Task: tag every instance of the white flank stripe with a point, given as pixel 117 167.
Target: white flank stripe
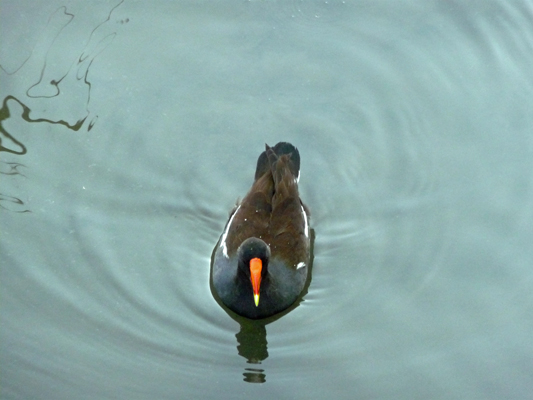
pixel 300 265
pixel 225 234
pixel 306 228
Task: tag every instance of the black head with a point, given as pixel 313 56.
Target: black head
pixel 253 248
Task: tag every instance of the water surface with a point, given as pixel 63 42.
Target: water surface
pixel 128 131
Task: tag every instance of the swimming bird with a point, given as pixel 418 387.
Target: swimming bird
pixel 262 258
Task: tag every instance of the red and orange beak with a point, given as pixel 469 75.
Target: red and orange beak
pixel 256 266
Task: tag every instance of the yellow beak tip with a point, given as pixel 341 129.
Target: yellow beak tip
pixel 256 299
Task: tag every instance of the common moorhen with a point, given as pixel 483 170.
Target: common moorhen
pixel 261 260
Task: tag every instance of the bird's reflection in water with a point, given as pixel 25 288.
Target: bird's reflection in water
pixel 252 342
pixel 252 345
pixel 252 337
pixel 254 375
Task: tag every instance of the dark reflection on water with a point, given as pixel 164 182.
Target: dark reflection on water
pixel 5 114
pixel 11 203
pixel 252 341
pixel 253 345
pixel 66 78
pixel 65 81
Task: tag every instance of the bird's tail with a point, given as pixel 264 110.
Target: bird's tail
pixel 269 158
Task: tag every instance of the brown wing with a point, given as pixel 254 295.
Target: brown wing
pixel 287 222
pixel 272 210
pixel 252 217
